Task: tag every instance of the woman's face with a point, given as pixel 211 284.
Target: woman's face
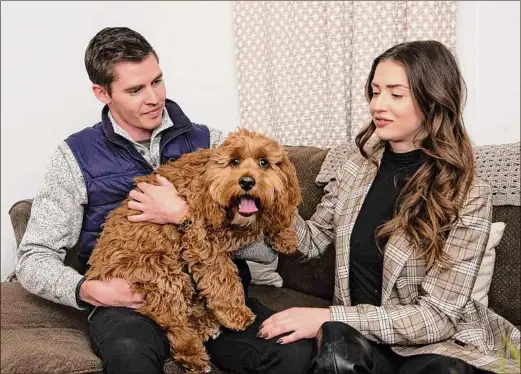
pixel 392 107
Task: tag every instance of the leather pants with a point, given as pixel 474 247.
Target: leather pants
pixel 341 349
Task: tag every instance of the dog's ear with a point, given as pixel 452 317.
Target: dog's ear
pixel 291 197
pixel 207 208
pixel 213 212
pixel 292 183
pixel 196 188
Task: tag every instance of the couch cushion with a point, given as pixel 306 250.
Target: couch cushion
pixel 278 299
pixel 486 269
pixel 47 350
pixel 315 277
pixel 39 336
pixel 504 296
pixel 21 309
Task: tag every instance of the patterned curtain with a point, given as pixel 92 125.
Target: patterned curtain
pixel 302 65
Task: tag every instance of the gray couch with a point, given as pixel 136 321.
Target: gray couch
pixel 38 336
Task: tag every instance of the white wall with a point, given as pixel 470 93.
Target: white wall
pixel 46 96
pixel 46 92
pixel 488 50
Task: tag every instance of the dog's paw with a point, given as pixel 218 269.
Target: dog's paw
pixel 216 334
pixel 237 319
pixel 286 249
pixel 206 369
pixel 191 354
pixel 284 241
pixel 195 363
pixel 210 333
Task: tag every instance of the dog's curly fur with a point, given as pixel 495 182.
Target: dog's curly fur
pixel 190 280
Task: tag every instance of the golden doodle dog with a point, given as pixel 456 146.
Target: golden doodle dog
pixel 237 192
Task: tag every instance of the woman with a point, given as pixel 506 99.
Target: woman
pixel 410 224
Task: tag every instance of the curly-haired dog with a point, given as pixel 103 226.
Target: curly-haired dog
pixel 236 192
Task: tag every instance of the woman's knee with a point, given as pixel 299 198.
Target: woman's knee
pixel 445 364
pixel 341 349
pixel 425 364
pixel 292 358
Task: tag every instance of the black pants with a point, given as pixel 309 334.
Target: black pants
pixel 128 342
pixel 386 361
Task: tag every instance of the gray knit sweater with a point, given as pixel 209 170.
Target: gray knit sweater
pixel 57 215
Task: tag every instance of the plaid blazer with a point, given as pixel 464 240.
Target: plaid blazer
pixel 421 312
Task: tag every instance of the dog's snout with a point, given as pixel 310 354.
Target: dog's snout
pixel 246 183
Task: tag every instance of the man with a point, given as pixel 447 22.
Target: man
pixel 89 175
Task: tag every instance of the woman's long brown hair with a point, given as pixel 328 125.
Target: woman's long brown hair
pixel 429 204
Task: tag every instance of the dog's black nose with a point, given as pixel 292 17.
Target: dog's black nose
pixel 246 183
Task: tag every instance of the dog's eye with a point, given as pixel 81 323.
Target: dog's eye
pixel 263 163
pixel 236 161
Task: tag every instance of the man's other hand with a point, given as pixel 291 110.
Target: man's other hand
pixel 159 204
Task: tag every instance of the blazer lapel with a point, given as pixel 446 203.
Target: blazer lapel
pixel 396 253
pixel 397 250
pixel 352 204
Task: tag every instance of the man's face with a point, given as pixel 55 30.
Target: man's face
pixel 138 97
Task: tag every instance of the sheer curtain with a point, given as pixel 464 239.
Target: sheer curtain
pixel 302 65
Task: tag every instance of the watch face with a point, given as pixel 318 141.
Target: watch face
pixel 185 224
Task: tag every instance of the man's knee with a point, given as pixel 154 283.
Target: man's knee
pixel 130 355
pixel 128 342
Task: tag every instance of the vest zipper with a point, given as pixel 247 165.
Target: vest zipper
pixel 182 131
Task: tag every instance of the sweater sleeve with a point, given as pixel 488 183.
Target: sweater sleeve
pixel 53 228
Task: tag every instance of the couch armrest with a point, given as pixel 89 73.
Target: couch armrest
pixel 19 213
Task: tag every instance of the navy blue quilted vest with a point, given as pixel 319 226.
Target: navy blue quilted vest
pixel 110 163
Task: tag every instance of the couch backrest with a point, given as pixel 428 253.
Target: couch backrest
pixel 504 296
pixel 317 276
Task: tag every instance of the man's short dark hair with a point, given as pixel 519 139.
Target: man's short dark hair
pixel 110 46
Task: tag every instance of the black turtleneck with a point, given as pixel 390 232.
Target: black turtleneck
pixel 366 257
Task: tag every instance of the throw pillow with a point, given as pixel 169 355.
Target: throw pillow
pixel 486 270
pixel 265 274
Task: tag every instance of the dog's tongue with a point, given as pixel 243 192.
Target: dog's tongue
pixel 247 205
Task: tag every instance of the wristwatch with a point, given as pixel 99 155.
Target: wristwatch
pixel 184 224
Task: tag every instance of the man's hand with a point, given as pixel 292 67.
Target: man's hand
pixel 160 204
pixel 302 323
pixel 115 292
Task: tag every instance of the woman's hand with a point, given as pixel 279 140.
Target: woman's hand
pixel 301 322
pixel 159 204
